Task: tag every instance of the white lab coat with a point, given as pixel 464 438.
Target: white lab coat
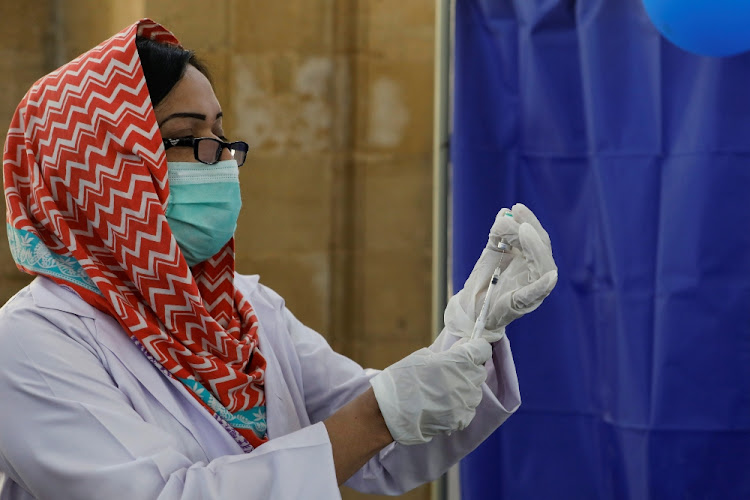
pixel 83 414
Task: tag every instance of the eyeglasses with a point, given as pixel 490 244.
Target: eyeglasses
pixel 208 150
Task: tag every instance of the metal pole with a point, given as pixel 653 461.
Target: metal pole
pixel 440 158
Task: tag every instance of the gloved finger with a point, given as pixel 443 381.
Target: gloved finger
pixel 482 271
pixel 504 228
pixel 528 298
pixel 476 374
pixel 459 342
pixel 465 420
pixel 515 275
pixel 537 254
pixel 504 223
pixel 495 334
pixel 474 397
pixel 456 319
pixel 478 350
pixel 522 213
pixel 486 263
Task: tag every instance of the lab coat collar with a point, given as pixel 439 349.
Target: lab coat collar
pixel 249 282
pixel 49 295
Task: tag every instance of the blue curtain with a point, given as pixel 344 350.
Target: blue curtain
pixel 635 155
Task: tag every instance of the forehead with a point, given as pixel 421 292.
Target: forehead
pixel 192 93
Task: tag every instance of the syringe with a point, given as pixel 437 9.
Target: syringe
pixel 481 321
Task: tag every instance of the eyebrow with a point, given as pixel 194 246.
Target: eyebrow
pixel 197 116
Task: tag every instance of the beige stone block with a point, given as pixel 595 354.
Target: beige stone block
pixel 396 13
pixel 126 12
pixel 25 25
pixel 392 290
pixel 302 279
pixel 347 25
pixel 394 110
pixel 395 203
pixel 20 69
pixel 420 493
pixel 84 24
pixel 199 25
pixel 289 103
pixel 286 205
pixel 300 26
pixel 12 282
pixel 11 278
pixel 397 30
pixel 379 354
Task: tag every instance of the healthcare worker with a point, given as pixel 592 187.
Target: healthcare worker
pixel 138 364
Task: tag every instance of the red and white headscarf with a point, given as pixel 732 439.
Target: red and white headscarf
pixel 85 177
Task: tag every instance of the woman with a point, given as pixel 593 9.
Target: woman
pixel 139 365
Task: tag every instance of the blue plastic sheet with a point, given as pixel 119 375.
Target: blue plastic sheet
pixel 635 155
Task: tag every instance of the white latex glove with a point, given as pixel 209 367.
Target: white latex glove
pixel 428 393
pixel 528 275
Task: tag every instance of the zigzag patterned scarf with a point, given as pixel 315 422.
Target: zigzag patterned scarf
pixel 85 177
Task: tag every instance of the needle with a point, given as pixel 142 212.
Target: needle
pixel 479 325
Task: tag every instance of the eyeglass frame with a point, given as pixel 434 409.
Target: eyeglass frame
pixel 195 142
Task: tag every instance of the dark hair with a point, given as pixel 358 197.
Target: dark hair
pixel 163 66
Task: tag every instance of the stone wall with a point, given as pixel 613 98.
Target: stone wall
pixel 335 99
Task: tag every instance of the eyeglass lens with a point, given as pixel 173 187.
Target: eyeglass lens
pixel 209 152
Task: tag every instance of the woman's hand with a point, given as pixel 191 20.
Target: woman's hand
pixel 528 275
pixel 429 393
pixel 424 394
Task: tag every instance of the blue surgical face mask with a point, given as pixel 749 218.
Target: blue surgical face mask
pixel 203 206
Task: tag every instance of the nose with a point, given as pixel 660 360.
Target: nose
pixel 226 154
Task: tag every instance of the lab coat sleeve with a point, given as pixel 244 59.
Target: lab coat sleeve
pixel 331 380
pixel 67 432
